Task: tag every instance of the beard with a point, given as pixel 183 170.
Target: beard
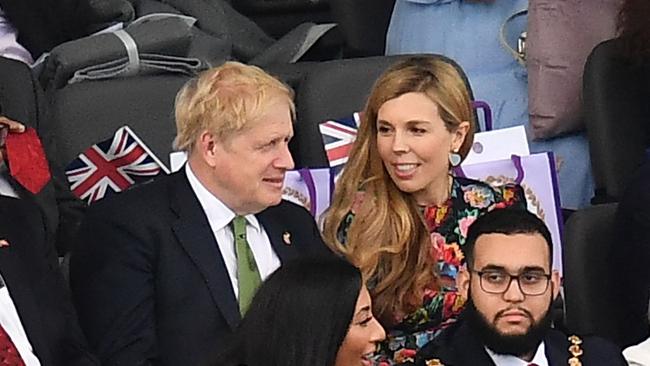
pixel 508 344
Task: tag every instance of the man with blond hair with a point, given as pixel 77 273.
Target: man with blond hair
pixel 162 274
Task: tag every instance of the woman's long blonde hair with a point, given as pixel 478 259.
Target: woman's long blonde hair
pixel 388 239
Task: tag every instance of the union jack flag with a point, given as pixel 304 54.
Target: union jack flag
pixel 112 166
pixel 338 138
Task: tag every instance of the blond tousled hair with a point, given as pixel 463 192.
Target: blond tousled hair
pixel 388 239
pixel 223 100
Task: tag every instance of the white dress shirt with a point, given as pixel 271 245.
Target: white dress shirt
pixel 9 46
pixel 219 216
pixel 5 187
pixel 10 321
pixel 508 360
pixel 638 355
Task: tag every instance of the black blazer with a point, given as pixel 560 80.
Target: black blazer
pixel 30 270
pixel 148 278
pixel 60 209
pixel 457 346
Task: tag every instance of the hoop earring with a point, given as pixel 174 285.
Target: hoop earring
pixel 454 159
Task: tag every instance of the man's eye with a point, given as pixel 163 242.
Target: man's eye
pixel 494 277
pixel 531 277
pixel 270 144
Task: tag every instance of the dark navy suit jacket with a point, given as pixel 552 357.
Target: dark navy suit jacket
pixel 148 278
pixel 458 346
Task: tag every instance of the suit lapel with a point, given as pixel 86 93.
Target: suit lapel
pixel 556 348
pixel 44 200
pixel 194 234
pixel 279 235
pixel 469 349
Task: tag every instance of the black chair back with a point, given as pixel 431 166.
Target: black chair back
pixel 616 110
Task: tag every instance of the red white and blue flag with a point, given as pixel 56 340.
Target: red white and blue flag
pixel 112 166
pixel 338 139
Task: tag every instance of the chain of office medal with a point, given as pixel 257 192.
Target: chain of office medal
pixel 574 349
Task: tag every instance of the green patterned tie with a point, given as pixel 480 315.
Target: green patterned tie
pixel 248 276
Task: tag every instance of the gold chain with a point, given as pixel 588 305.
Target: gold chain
pixel 575 350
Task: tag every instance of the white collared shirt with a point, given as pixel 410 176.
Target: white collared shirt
pixel 638 355
pixel 11 323
pixel 5 187
pixel 508 360
pixel 219 216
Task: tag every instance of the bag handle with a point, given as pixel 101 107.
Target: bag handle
pixel 520 53
pixel 487 112
pixel 516 161
pixel 305 174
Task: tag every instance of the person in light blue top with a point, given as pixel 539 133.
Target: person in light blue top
pixel 468 32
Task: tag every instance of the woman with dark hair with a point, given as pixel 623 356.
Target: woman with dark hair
pixel 314 312
pixel 398 212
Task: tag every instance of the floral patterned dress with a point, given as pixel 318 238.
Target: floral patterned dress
pixel 448 226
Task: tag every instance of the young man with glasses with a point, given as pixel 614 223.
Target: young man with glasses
pixel 509 286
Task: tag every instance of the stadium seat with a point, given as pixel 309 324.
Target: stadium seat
pixel 589 277
pixel 616 116
pixel 91 111
pixel 20 93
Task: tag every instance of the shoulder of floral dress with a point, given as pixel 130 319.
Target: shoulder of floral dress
pixel 474 193
pixel 467 182
pixel 438 352
pixel 346 222
pixel 510 195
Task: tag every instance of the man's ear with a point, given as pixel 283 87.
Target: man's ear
pixel 463 281
pixel 555 280
pixel 208 147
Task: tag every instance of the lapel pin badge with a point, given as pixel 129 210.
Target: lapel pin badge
pixel 286 238
pixel 3 243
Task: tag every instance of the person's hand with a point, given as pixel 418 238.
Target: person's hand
pixel 8 126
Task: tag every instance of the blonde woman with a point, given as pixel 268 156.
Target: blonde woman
pixel 398 213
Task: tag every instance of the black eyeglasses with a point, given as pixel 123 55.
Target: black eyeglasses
pixel 531 283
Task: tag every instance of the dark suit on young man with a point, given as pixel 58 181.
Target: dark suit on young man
pixel 459 346
pixel 30 271
pixel 148 278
